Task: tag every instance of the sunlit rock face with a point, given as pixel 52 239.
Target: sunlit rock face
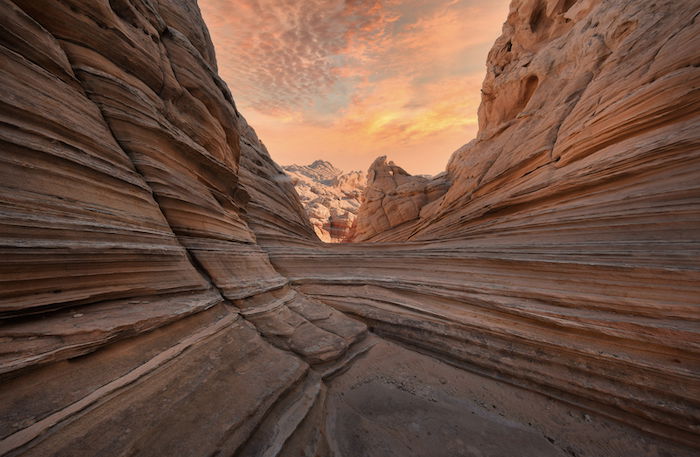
pixel 577 95
pixel 394 197
pixel 164 293
pixel 330 197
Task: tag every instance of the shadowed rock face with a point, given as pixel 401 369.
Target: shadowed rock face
pixel 163 293
pixel 127 176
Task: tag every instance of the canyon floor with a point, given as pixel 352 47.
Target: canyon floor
pixel 394 401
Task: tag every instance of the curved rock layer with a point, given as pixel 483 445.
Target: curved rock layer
pixel 124 197
pixel 564 255
pixel 162 292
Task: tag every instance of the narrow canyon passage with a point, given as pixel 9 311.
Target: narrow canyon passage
pixel 162 291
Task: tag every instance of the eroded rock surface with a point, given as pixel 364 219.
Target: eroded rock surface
pixel 330 197
pixel 163 292
pixel 394 197
pixel 126 181
pixel 564 253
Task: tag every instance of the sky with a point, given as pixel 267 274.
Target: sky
pixel 350 80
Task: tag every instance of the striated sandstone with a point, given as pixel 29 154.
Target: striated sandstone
pixel 164 293
pixel 123 220
pixel 564 254
pixel 394 197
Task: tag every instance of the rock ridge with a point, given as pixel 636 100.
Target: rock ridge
pixel 330 197
pixel 394 197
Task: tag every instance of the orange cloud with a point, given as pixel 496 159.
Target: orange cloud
pixel 398 110
pixel 346 80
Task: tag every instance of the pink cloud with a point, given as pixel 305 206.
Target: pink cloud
pixel 277 55
pixel 375 74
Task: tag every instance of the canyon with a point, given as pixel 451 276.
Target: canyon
pixel 162 291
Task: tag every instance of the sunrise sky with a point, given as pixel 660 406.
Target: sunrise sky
pixel 349 80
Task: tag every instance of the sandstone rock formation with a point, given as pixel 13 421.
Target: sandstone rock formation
pixel 330 197
pixel 163 293
pixel 394 197
pixel 124 198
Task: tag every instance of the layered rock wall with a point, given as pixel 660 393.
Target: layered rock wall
pixel 127 175
pixel 163 293
pixel 582 101
pixel 564 254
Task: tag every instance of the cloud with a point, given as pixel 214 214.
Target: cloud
pixel 398 110
pixel 278 55
pixel 376 73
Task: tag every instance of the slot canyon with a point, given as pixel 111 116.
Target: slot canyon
pixel 163 292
